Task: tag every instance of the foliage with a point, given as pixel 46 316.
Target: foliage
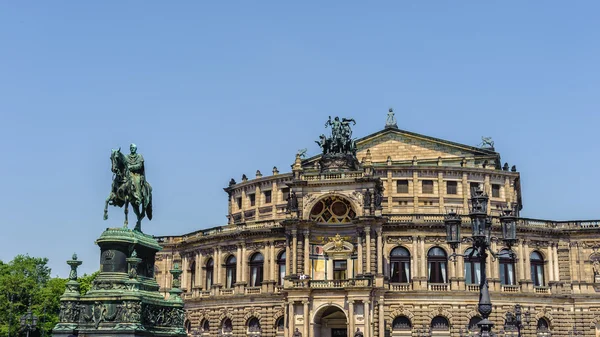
pixel 85 282
pixel 26 280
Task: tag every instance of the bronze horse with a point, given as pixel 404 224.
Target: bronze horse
pixel 122 191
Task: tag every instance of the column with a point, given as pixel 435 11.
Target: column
pixel 368 238
pixel 288 256
pixel 526 257
pixel 294 251
pixel 493 269
pixel 556 269
pixel 351 317
pixel 550 263
pixel 184 267
pixel 359 253
pixel 219 266
pixel 461 262
pixel 381 319
pixel 488 191
pixel 291 319
pixel 414 251
pixel 367 315
pixel 521 261
pixel 243 264
pixel 199 261
pixel 305 304
pixel 306 252
pixel 415 191
pixel 441 192
pixel 379 252
pixel 465 191
pixel 273 263
pixel 238 259
pixel 507 194
pixel 423 259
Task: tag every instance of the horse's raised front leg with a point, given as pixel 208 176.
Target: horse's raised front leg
pixel 126 212
pixel 106 206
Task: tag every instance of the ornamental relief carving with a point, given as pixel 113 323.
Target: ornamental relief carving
pixel 399 239
pixel 435 239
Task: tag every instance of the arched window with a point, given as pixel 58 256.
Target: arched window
pixel 537 269
pixel 254 325
pixel 472 267
pixel 332 210
pixel 399 265
pixel 543 326
pixel 256 269
pixel 281 267
pixel 507 268
pixel 473 323
pixel 226 327
pixel 440 323
pixel 210 267
pixel 192 275
pixel 230 271
pixel 205 326
pixel 436 265
pixel 280 324
pixel 401 323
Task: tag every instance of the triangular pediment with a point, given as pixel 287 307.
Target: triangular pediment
pixel 400 146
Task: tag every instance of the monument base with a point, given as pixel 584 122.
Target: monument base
pixel 124 298
pixel 338 162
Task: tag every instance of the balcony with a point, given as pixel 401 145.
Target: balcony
pixel 510 288
pixel 473 288
pixel 438 286
pixel 402 287
pixel 226 292
pixel 542 290
pixel 332 284
pixel 253 290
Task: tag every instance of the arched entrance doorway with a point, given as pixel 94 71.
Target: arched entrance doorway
pixel 330 321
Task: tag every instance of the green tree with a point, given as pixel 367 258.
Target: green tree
pixel 85 282
pixel 21 283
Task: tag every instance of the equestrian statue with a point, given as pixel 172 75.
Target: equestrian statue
pixel 129 186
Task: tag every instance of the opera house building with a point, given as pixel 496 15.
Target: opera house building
pixel 354 242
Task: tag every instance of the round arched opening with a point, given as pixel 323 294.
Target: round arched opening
pixel 331 321
pixel 333 209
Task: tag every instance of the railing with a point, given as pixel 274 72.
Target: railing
pixel 473 287
pixel 330 284
pixel 400 286
pixel 252 290
pixel 204 293
pixel 331 176
pixel 542 290
pixel 438 286
pixel 228 291
pixel 510 288
pixel 393 218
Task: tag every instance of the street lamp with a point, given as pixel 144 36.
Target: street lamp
pixel 29 321
pixel 481 239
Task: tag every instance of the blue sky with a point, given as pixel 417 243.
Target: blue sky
pixel 212 90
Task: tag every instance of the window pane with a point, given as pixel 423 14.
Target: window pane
pixel 451 187
pixel 402 186
pixel 496 191
pixel 427 186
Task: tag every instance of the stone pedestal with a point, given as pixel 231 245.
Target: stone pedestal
pixel 124 298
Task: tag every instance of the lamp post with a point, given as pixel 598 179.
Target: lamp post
pixel 481 239
pixel 29 321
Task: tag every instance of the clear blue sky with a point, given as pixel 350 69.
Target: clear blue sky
pixel 209 92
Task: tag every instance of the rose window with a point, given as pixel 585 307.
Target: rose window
pixel 332 210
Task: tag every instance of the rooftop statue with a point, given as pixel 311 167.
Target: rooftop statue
pixel 486 143
pixel 129 186
pixel 391 120
pixel 341 141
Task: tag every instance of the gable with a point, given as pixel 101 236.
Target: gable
pixel 403 146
